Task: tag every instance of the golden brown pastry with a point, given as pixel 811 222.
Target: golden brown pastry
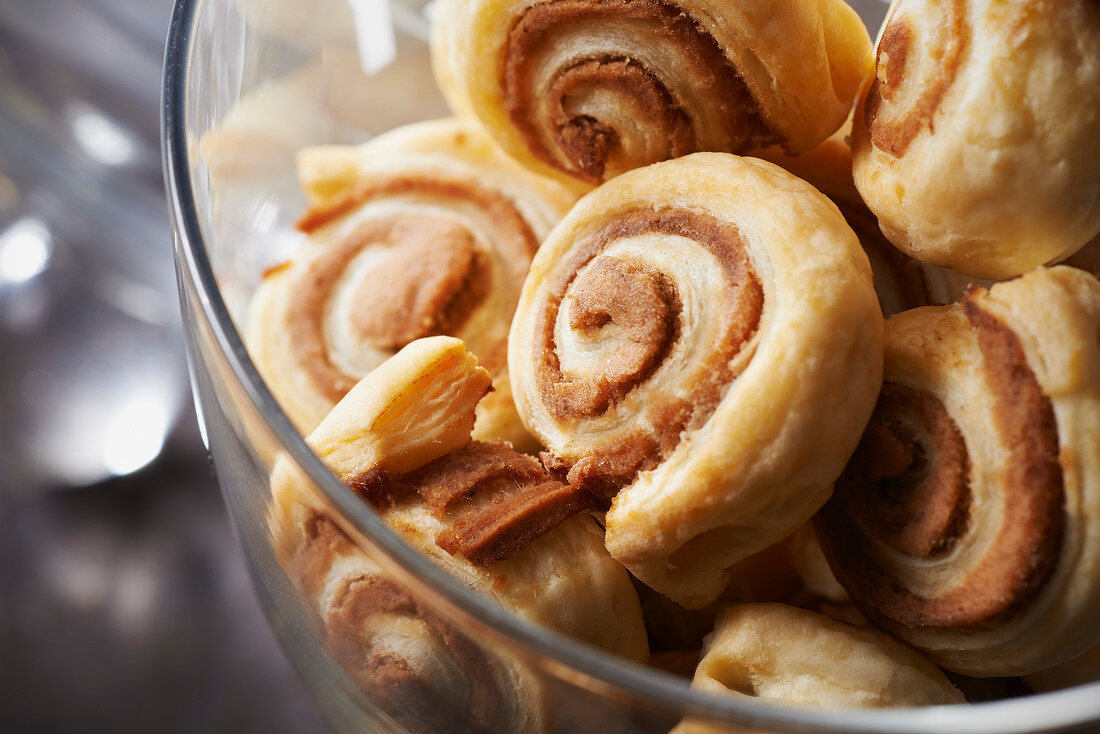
pixel 699 341
pixel 426 230
pixel 777 652
pixel 492 518
pixel 977 143
pixel 968 521
pixel 588 89
pixel 901 282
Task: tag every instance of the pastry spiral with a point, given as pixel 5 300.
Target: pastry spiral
pixel 426 230
pixel 976 145
pixel 778 652
pixel 968 521
pixel 699 342
pixel 489 516
pixel 588 89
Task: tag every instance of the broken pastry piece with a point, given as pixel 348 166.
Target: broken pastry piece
pixel 427 230
pixel 587 89
pixel 976 145
pixel 699 342
pixel 967 523
pixel 777 652
pixel 492 518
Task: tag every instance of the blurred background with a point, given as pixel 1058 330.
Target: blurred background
pixel 124 603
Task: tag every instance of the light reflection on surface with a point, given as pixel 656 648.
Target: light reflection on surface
pixel 134 434
pixel 25 249
pixel 135 299
pixel 100 137
pixel 374 33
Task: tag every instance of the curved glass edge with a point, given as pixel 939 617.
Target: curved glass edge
pixel 562 657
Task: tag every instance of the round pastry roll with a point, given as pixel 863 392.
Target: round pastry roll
pixel 976 145
pixel 587 89
pixel 491 517
pixel 699 342
pixel 968 521
pixel 777 652
pixel 901 282
pixel 426 230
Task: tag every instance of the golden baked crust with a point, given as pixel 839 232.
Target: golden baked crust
pixel 968 521
pixel 426 230
pixel 586 89
pixel 699 341
pixel 976 144
pixel 385 437
pixel 777 652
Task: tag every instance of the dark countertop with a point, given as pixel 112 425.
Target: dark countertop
pixel 126 607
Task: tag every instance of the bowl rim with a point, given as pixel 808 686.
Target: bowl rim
pixel 556 654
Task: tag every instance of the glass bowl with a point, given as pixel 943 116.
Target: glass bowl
pixel 246 85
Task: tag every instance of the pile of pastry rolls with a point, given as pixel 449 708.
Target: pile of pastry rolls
pixel 618 327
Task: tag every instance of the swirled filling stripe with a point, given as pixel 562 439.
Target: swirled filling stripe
pixel 913 75
pixel 431 276
pixel 362 623
pixel 494 501
pixel 907 487
pixel 637 308
pixel 586 106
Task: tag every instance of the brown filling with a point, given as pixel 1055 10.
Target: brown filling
pixel 640 309
pixel 911 474
pixel 894 135
pixel 428 285
pixel 418 705
pixel 906 485
pixel 494 500
pixel 642 305
pixel 431 280
pixel 589 144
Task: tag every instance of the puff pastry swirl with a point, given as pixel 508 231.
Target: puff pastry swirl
pixel 976 145
pixel 401 438
pixel 426 230
pixel 778 652
pixel 699 342
pixel 587 89
pixel 968 521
